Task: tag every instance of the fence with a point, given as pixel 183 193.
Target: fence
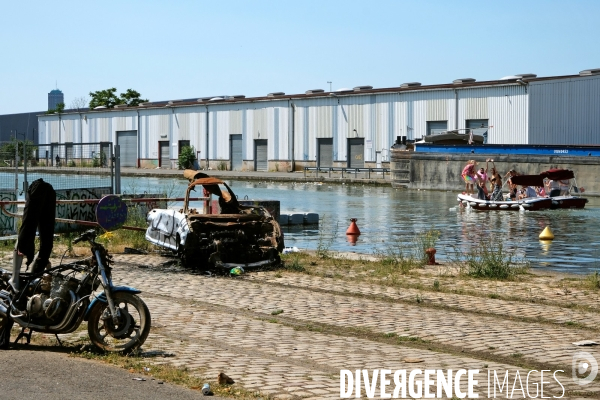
pixel 64 165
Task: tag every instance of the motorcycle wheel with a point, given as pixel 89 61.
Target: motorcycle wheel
pixel 129 333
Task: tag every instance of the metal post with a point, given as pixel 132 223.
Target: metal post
pixel 117 169
pixel 25 183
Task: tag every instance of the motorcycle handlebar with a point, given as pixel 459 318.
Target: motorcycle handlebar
pixel 87 235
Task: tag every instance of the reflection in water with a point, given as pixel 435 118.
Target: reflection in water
pixel 390 217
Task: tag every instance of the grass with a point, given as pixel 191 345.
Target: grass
pixel 592 281
pixel 168 373
pixel 489 258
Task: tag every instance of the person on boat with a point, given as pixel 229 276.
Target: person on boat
pixel 540 191
pixel 482 176
pixel 511 186
pixel 527 191
pixel 552 188
pixel 564 185
pixel 497 193
pixel 469 175
pixel 494 174
pixel 481 190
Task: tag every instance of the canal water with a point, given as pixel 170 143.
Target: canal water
pixel 390 218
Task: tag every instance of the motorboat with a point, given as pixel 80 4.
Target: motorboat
pixel 530 204
pixel 572 199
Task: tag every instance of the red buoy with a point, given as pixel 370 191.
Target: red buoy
pixel 353 229
pixel 430 256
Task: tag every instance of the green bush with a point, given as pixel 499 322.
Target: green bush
pixel 186 158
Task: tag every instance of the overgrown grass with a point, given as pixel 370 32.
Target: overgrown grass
pixel 403 257
pixel 168 373
pixel 490 258
pixel 592 281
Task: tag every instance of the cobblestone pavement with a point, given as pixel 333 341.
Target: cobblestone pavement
pixel 288 335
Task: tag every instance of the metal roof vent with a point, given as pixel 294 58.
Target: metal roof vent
pixel 145 104
pixel 526 76
pixel 121 106
pixel 171 102
pixel 238 96
pixel 276 94
pixel 342 90
pixel 217 99
pixel 410 84
pixel 588 72
pixel 313 91
pixel 100 108
pixel 463 80
pixel 360 88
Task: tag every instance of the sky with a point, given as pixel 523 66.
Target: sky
pixel 169 50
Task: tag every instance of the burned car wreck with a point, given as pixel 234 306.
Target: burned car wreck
pixel 240 236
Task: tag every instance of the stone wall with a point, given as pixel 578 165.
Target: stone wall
pixel 435 171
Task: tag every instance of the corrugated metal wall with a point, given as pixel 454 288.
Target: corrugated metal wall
pixel 565 111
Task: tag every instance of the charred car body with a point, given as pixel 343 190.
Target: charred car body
pixel 245 236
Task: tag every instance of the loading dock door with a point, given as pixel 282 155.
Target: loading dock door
pixel 356 151
pixel 325 149
pixel 260 155
pixel 128 142
pixel 235 149
pixel 164 158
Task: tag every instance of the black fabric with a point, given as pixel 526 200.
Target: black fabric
pixel 39 214
pixel 555 192
pixel 480 193
pixel 5 327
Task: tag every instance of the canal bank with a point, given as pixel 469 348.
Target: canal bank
pixel 442 171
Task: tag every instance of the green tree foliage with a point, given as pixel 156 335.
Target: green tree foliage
pixel 132 98
pixel 187 157
pixel 60 107
pixel 7 149
pixel 108 98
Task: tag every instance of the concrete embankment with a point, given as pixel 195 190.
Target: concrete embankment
pixel 435 171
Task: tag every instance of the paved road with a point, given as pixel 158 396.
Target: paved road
pixel 45 374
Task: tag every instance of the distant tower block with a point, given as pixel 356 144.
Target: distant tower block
pixel 54 97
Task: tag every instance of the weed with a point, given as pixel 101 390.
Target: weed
pixel 436 285
pixel 293 264
pixel 494 296
pixel 276 312
pixel 419 299
pixel 489 258
pixel 389 335
pixel 516 355
pixel 326 239
pixel 273 320
pixel 593 280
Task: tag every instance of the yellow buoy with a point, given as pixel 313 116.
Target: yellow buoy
pixel 546 234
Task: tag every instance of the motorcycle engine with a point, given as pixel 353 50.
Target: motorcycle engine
pixel 53 298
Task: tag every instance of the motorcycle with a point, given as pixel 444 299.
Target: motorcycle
pixel 59 299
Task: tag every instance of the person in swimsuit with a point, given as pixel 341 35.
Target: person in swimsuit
pixel 469 176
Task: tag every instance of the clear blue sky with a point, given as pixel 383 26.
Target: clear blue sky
pixel 185 49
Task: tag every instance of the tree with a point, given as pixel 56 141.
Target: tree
pixel 108 98
pixel 132 98
pixel 187 157
pixel 79 103
pixel 60 107
pixel 7 149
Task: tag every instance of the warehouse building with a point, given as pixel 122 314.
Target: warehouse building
pixel 345 128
